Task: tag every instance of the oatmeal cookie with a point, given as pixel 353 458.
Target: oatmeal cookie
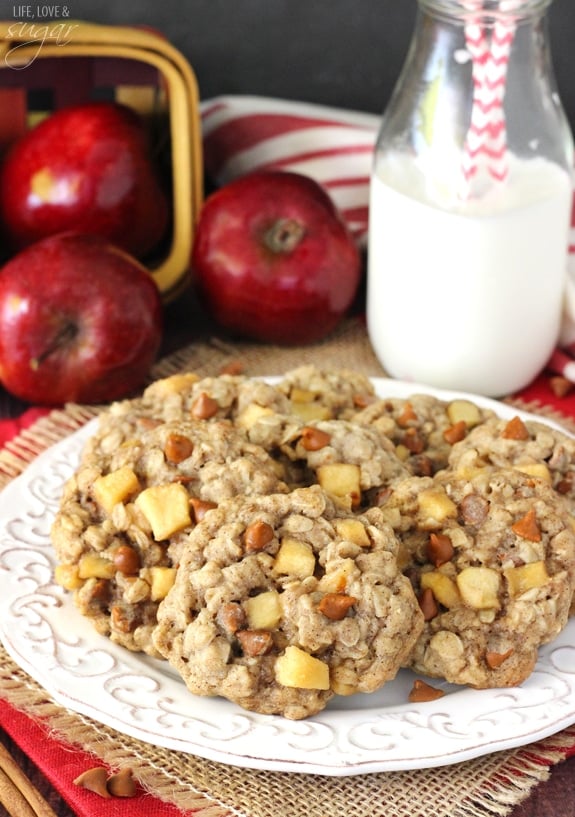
pixel 528 445
pixel 243 401
pixel 492 563
pixel 281 602
pixel 422 427
pixel 123 517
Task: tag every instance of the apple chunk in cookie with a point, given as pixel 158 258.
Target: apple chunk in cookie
pixel 283 601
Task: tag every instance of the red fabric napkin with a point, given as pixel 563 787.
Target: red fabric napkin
pixel 61 767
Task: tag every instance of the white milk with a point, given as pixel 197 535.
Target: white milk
pixel 470 297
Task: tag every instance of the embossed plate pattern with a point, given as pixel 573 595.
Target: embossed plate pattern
pixel 141 697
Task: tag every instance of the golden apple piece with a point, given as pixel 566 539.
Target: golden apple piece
pixel 342 480
pixel 251 415
pixel 526 577
pixel 479 587
pixel 466 411
pixel 68 576
pixel 435 507
pixel 174 384
pixel 296 668
pixel 115 487
pixel 402 452
pixel 294 558
pixel 535 469
pixel 166 507
pixel 264 611
pixel 161 580
pixel 299 395
pixel 343 680
pixel 443 587
pixel 469 472
pixel 352 530
pixel 94 566
pixel 335 581
pixel 311 411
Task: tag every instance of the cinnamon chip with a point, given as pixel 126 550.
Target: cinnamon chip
pixel 439 549
pixel 455 433
pixel 94 780
pixel 314 439
pixel 428 604
pixel 204 407
pixel 407 416
pixel 495 659
pixel 122 784
pixel 560 386
pixel 515 430
pixel 336 605
pixel 527 527
pixel 257 535
pixel 234 367
pixel 422 692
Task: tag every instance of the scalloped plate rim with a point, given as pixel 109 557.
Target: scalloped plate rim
pixel 377 737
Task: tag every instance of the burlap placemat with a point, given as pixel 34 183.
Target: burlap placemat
pixel 490 785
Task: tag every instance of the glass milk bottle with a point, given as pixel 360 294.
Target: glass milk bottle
pixel 470 201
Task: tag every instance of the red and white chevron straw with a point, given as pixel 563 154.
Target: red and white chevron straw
pixel 485 149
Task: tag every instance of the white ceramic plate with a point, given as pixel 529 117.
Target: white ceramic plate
pixel 141 697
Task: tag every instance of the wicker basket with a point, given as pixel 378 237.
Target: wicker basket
pixel 49 66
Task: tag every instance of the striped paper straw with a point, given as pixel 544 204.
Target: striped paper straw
pixel 477 45
pixel 485 147
pixel 502 41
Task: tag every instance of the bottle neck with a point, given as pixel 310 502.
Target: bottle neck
pixel 486 12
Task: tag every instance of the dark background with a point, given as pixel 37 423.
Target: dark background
pixel 345 53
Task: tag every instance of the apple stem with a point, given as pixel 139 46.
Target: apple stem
pixel 64 336
pixel 284 235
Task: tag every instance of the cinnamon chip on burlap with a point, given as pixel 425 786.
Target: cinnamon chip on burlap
pixel 486 786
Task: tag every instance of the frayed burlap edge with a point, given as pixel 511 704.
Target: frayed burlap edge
pixel 489 786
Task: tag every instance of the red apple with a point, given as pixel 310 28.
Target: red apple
pixel 273 259
pixel 80 320
pixel 85 168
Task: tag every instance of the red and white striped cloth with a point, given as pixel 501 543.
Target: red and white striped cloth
pixel 333 146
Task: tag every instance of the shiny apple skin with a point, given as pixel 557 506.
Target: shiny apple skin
pixel 80 321
pixel 291 295
pixel 84 168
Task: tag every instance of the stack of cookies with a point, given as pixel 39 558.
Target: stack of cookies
pixel 281 543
